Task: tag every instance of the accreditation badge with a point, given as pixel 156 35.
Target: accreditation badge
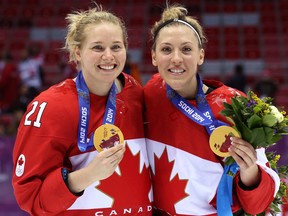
pixel 107 136
pixel 220 140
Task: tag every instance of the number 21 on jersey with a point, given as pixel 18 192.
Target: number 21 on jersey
pixel 39 112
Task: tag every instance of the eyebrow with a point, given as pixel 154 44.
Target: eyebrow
pixel 184 43
pixel 187 43
pixel 100 42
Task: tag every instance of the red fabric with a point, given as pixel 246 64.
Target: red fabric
pixel 9 85
pixel 52 144
pixel 184 167
pixel 247 198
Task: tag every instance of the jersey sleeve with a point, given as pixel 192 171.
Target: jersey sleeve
pixel 40 148
pixel 258 200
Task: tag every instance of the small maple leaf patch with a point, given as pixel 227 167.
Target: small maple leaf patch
pixel 20 165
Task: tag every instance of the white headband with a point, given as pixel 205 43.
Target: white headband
pixel 180 21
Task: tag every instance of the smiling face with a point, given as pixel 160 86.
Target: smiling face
pixel 102 54
pixel 177 56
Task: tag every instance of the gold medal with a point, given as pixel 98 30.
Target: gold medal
pixel 107 136
pixel 220 140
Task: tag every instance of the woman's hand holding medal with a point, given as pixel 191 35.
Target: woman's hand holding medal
pixel 101 167
pixel 105 163
pixel 225 141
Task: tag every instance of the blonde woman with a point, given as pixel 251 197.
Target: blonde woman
pixel 80 147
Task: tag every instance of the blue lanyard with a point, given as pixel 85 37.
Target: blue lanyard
pixel 204 116
pixel 84 108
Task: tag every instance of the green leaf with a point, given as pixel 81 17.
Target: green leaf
pixel 258 138
pixel 254 121
pixel 257 108
pixel 275 138
pixel 227 105
pixel 284 130
pixel 229 160
pixel 230 120
pixel 241 127
pixel 245 132
pixel 269 134
pixel 269 120
pixel 227 112
pixel 275 207
pixel 271 138
pixel 237 107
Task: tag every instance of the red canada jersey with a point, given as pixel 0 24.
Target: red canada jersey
pixel 185 171
pixel 47 141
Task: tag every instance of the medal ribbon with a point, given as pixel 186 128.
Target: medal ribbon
pixel 204 116
pixel 84 104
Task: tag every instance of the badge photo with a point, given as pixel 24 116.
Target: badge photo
pixel 220 140
pixel 107 136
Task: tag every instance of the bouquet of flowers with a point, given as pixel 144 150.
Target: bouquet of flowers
pixel 262 124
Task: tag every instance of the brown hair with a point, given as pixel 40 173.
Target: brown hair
pixel 177 11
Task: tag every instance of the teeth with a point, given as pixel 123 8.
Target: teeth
pixel 107 67
pixel 177 70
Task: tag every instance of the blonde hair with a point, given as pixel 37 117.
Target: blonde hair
pixel 177 12
pixel 79 20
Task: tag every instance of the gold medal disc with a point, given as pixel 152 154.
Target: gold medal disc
pixel 220 140
pixel 107 136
